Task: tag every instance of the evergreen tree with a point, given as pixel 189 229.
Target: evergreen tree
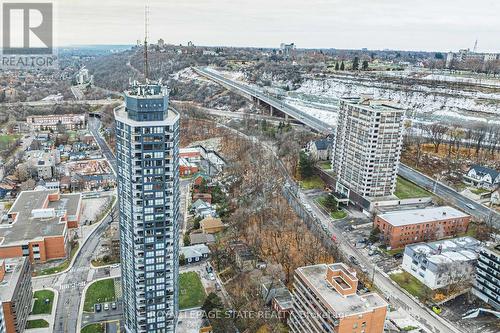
pixel 305 166
pixel 342 67
pixel 355 64
pixel 337 66
pixel 364 66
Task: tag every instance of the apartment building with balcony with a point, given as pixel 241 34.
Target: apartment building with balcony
pixel 147 152
pixel 487 283
pixel 15 294
pixel 403 227
pixel 37 225
pixel 325 299
pixel 367 147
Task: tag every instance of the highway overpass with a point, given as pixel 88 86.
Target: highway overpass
pixel 272 102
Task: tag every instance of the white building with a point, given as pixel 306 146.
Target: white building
pixel 195 253
pixel 487 283
pixel 441 263
pixel 483 177
pixel 367 147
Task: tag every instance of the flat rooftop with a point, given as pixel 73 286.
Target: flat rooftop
pixel 348 305
pixel 423 215
pixel 449 250
pixel 12 274
pixel 26 227
pixel 372 104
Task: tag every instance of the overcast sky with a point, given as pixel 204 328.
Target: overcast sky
pixel 440 25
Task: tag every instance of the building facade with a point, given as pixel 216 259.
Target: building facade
pixel 325 299
pixel 400 228
pixel 487 283
pixel 15 294
pixel 367 147
pixel 442 263
pixel 147 151
pixel 52 122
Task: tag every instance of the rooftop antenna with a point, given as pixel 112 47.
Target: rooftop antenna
pixel 146 23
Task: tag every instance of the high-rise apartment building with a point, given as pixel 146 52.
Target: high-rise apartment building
pixel 487 283
pixel 147 153
pixel 16 294
pixel 367 147
pixel 325 299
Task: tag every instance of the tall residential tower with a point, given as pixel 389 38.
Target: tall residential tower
pixel 147 150
pixel 367 147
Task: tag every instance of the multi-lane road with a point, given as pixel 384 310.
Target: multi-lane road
pixel 477 210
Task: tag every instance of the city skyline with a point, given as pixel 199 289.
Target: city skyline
pixel 321 24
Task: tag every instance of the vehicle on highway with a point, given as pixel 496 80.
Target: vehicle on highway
pixel 113 305
pixel 470 206
pixel 106 306
pixel 97 307
pixel 353 260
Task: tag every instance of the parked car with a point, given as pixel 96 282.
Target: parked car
pixel 398 255
pixel 211 276
pixel 113 305
pixel 97 307
pixel 209 268
pixel 217 286
pixel 353 260
pixel 106 306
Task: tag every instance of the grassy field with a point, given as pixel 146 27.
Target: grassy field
pixel 59 268
pixel 312 183
pixel 409 283
pixel 191 291
pixel 325 165
pixel 407 190
pixel 40 307
pixel 37 323
pixel 93 328
pixel 6 139
pixel 98 292
pixel 339 214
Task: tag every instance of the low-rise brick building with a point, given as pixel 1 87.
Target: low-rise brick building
pixel 37 225
pixel 400 228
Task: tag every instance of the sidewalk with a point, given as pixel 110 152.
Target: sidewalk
pixel 50 318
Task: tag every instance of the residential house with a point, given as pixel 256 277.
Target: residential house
pixel 201 238
pixel 187 168
pixel 482 177
pixel 245 259
pixel 320 150
pixel 205 197
pixel 195 253
pixel 495 197
pixel 211 225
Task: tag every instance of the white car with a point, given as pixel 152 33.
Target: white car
pixel 211 276
pixel 470 206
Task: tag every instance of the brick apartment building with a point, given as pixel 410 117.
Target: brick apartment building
pixel 325 299
pixel 51 122
pixel 400 228
pixel 15 294
pixel 37 225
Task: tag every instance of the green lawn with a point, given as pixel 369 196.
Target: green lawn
pixel 409 283
pixel 93 328
pixel 37 323
pixel 98 292
pixel 339 214
pixel 407 190
pixel 6 139
pixel 325 165
pixel 479 191
pixel 313 182
pixel 61 267
pixel 391 252
pixel 40 307
pixel 191 291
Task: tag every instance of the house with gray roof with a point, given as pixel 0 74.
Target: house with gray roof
pixel 195 253
pixel 483 177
